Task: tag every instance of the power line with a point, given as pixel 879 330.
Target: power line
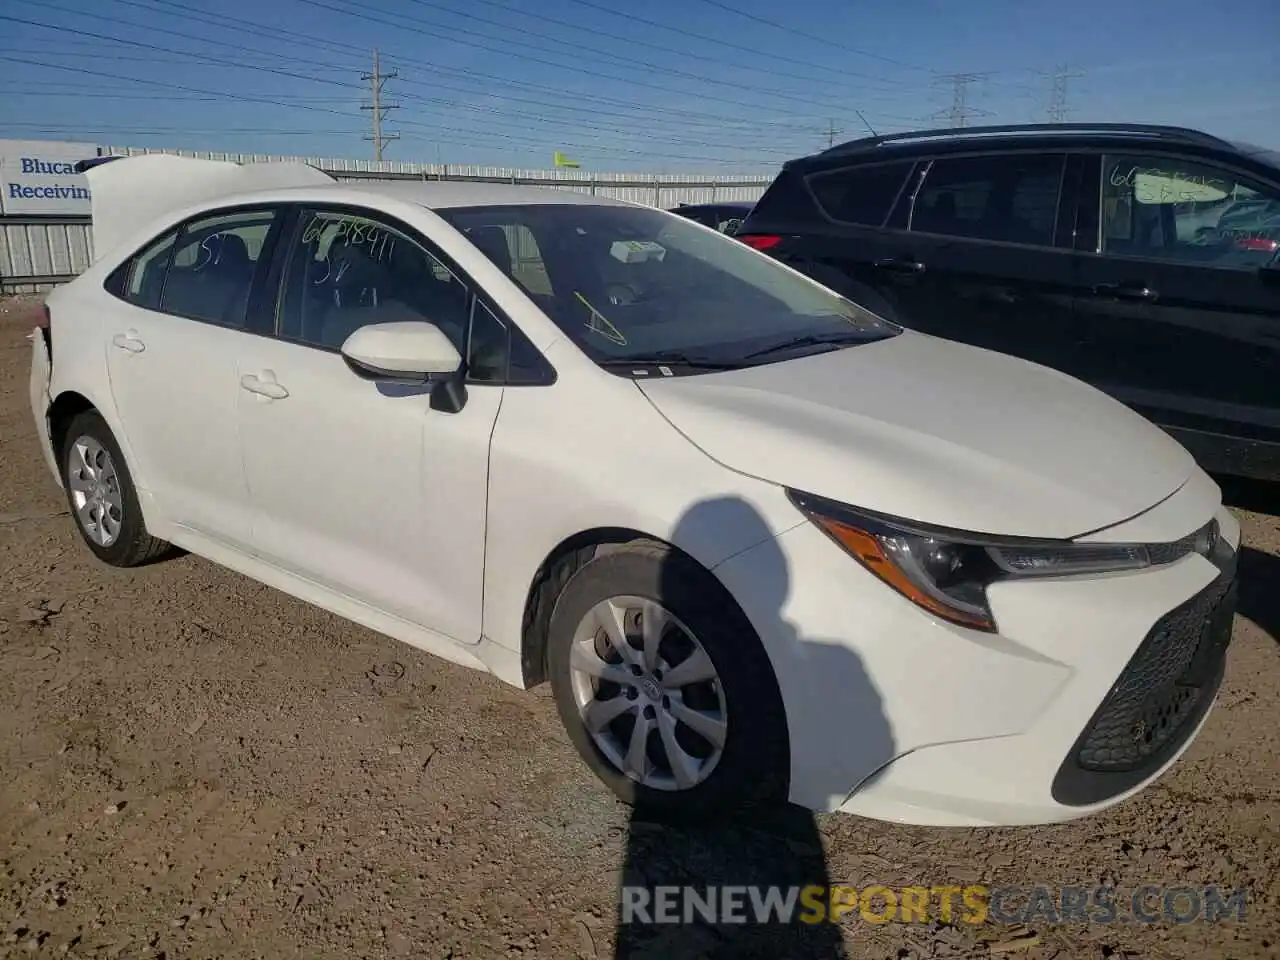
pixel 753 67
pixel 518 124
pixel 378 108
pixel 646 136
pixel 506 140
pixel 219 61
pixel 961 110
pixel 312 64
pixel 730 8
pixel 755 52
pixel 505 48
pixel 720 121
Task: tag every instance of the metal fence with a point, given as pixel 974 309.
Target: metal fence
pixel 37 253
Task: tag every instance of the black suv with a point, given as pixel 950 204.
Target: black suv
pixel 1142 259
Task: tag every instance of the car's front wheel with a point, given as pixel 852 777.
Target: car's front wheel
pixel 102 496
pixel 664 687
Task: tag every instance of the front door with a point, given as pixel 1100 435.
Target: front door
pixel 1180 301
pixel 360 485
pixel 173 334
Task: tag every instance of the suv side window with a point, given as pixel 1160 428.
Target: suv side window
pixel 1011 199
pixel 1186 212
pixel 862 195
pixel 213 265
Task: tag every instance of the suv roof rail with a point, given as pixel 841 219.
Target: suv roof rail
pixel 1184 134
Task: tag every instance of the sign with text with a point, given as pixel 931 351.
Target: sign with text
pixel 37 177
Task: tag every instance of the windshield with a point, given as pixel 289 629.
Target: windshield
pixel 639 284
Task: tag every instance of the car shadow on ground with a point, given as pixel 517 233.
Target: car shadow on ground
pixel 1260 590
pixel 1255 496
pixel 1259 570
pixel 777 846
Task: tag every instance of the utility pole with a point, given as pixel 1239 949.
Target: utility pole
pixel 378 108
pixel 1057 110
pixel 832 133
pixel 961 110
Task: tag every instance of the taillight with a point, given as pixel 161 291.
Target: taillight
pixel 759 241
pixel 1257 244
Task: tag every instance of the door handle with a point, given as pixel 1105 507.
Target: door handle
pixel 899 265
pixel 263 388
pixel 128 341
pixel 1126 291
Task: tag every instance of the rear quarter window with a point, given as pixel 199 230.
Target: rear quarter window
pixel 862 195
pixel 785 199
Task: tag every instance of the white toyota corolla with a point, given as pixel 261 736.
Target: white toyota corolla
pixel 761 542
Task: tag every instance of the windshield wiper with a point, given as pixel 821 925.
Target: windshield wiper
pixel 811 340
pixel 671 358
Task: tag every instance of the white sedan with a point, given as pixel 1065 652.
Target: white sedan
pixel 762 543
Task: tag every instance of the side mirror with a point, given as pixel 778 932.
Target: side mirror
pixel 401 350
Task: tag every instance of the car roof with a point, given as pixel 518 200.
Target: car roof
pixel 129 193
pixel 1012 137
pixel 445 194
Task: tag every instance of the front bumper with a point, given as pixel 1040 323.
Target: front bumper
pixel 895 715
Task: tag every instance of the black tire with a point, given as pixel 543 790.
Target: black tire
pixel 754 767
pixel 133 546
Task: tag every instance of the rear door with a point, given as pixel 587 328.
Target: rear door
pixel 975 252
pixel 1179 300
pixel 173 332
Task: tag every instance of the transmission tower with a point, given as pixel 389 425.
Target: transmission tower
pixel 377 107
pixel 831 133
pixel 961 110
pixel 1057 111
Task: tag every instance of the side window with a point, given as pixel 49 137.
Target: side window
pixel 213 266
pixel 1013 199
pixel 1186 212
pixel 346 271
pixel 146 273
pixel 498 354
pixel 862 195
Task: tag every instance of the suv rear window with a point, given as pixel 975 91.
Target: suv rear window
pixel 862 195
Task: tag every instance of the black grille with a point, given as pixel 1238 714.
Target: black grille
pixel 1157 692
pixel 1156 702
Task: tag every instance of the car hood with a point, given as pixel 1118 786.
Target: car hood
pixel 933 431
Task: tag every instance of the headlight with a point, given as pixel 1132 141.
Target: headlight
pixel 947 572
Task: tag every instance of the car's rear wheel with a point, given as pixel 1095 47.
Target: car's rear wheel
pixel 102 497
pixel 663 686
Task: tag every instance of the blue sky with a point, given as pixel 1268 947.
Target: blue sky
pixel 672 85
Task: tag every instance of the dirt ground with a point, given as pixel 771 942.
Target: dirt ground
pixel 194 765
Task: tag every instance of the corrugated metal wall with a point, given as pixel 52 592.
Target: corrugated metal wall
pixel 36 253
